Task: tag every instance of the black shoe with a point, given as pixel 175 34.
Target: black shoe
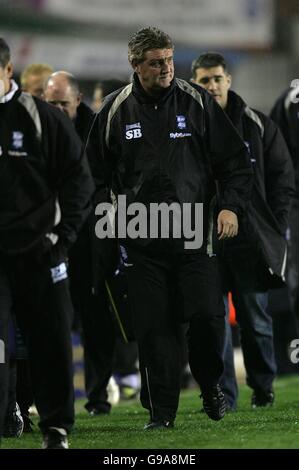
pixel 55 438
pixel 158 425
pixel 260 399
pixel 13 423
pixel 98 411
pixel 214 403
pixel 229 409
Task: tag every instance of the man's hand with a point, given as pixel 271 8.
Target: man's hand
pixel 227 224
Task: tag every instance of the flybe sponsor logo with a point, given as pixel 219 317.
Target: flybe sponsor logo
pixel 133 131
pixel 179 135
pixel 15 153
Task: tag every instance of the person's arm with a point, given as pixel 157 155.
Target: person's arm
pixel 279 174
pixel 100 157
pixel 105 252
pixel 73 181
pixel 278 114
pixel 231 167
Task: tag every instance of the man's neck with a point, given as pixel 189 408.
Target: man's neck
pixel 13 87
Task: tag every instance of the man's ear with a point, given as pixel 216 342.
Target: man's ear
pixel 229 80
pixel 79 98
pixel 134 65
pixel 8 70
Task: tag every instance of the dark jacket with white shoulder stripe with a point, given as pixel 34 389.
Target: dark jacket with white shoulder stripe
pixel 45 182
pixel 285 113
pixel 265 224
pixel 171 149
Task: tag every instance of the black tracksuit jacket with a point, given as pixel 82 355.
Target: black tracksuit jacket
pixel 41 164
pixel 266 220
pixel 171 149
pixel 285 113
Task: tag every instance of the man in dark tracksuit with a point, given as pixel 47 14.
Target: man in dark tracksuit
pixel 260 245
pixel 46 188
pixel 285 113
pixel 165 140
pixel 90 303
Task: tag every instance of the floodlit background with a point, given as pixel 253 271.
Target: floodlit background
pixel 260 38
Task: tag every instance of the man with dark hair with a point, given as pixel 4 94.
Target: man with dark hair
pixel 208 60
pixel 163 141
pixel 4 55
pixel 45 193
pixel 257 256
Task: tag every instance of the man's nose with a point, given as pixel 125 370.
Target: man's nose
pixel 212 86
pixel 165 66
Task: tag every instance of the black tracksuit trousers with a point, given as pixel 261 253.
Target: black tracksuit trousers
pixel 96 321
pixel 166 289
pixel 43 309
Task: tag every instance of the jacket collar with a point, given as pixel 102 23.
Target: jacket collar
pixel 235 107
pixel 13 91
pixel 144 97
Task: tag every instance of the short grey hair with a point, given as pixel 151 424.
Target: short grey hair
pixel 146 39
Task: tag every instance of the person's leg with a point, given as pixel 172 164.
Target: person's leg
pixel 99 343
pixel 125 369
pixel 25 397
pixel 200 297
pixel 293 260
pixel 5 311
pixel 45 313
pixel 256 339
pixel 95 318
pixel 150 290
pixel 228 380
pixel 256 330
pixel 13 422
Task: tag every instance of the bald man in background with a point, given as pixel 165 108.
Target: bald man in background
pixel 86 268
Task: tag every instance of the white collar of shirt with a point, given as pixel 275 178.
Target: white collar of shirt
pixel 9 95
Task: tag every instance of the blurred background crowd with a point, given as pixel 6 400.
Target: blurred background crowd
pixel 259 38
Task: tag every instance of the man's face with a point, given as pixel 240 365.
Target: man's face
pixel 156 71
pixel 59 93
pixel 97 99
pixel 35 84
pixel 216 81
pixel 5 76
